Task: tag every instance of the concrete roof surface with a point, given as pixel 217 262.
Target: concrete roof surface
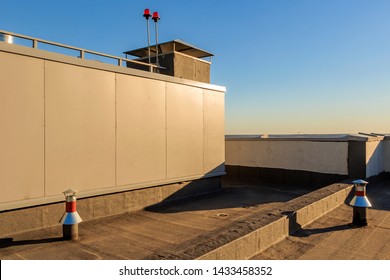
pixel 332 237
pixel 183 229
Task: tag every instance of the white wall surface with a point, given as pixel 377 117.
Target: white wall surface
pixel 184 130
pixel 323 157
pixel 386 154
pixel 214 127
pixel 69 125
pixel 141 130
pixel 22 130
pixel 374 158
pixel 79 128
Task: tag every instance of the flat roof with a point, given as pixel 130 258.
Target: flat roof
pixel 175 45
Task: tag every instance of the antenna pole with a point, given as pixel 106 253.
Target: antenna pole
pixel 156 18
pixel 147 15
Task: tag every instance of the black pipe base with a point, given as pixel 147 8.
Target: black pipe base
pixel 359 216
pixel 70 232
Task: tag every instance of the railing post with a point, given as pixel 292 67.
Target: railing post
pixel 82 54
pixel 156 18
pixel 35 44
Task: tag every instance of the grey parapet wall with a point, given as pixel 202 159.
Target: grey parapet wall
pixel 95 207
pixel 309 160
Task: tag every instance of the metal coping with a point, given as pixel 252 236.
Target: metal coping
pixel 308 137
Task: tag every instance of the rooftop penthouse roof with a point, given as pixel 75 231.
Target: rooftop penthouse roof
pixel 176 45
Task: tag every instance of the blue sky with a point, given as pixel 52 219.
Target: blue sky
pixel 290 66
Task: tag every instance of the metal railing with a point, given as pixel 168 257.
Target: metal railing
pixel 82 52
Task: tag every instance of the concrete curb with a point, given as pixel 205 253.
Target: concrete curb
pixel 252 243
pixel 253 234
pixel 298 213
pixel 91 208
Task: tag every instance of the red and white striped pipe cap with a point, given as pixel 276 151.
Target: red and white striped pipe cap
pixel 360 199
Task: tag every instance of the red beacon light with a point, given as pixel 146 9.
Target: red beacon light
pixel 156 17
pixel 147 14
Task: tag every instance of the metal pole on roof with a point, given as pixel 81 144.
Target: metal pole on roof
pixel 147 15
pixel 156 18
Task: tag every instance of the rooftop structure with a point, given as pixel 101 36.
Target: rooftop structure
pixel 176 58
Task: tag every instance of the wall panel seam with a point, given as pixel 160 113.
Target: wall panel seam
pixel 44 128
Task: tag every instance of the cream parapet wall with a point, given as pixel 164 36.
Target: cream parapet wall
pixel 100 129
pixel 315 153
pixel 322 157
